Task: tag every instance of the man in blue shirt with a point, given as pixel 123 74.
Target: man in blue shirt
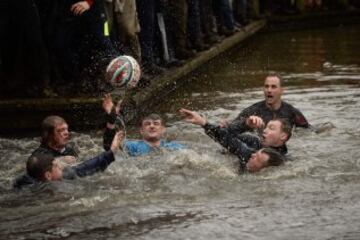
pixel 152 130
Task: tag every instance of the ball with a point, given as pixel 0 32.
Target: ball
pixel 123 72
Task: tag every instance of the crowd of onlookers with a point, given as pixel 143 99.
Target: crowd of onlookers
pixel 63 46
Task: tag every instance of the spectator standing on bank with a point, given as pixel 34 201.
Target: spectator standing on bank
pixel 124 25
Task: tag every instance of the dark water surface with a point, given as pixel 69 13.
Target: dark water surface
pixel 197 193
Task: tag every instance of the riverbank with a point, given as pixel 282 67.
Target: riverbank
pixel 26 114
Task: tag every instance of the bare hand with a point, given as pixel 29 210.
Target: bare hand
pixel 79 8
pixel 117 141
pixel 255 122
pixel 193 117
pixel 107 103
pixel 223 123
pixel 118 107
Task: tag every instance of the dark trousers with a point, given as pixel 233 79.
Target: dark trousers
pixel 207 18
pixel 223 13
pixel 178 23
pixel 193 21
pixel 147 13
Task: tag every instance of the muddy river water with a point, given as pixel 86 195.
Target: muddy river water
pixel 196 193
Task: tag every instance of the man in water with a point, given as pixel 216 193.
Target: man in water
pixel 55 140
pixel 254 152
pixel 270 108
pixel 152 130
pixel 44 167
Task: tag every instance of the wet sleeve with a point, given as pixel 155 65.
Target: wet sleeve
pixel 108 137
pixel 234 144
pixel 23 180
pixel 90 2
pixel 239 123
pixel 238 126
pixel 249 111
pixel 93 165
pixel 299 119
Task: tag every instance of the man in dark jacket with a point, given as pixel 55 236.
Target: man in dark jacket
pixel 44 167
pixel 270 108
pixel 254 152
pixel 55 140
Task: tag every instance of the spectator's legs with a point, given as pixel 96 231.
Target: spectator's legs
pixel 128 28
pixel 179 10
pixel 224 17
pixel 194 26
pixel 147 12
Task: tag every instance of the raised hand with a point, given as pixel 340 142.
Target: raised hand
pixel 117 141
pixel 118 106
pixel 255 122
pixel 192 117
pixel 107 103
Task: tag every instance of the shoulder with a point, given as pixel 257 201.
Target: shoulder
pixel 256 106
pixel 289 107
pixel 286 104
pixel 69 150
pixel 134 143
pixel 41 150
pixel 136 147
pixel 173 145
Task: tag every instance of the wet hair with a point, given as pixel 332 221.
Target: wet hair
pixel 275 158
pixel 153 116
pixel 48 127
pixel 37 165
pixel 285 126
pixel 274 74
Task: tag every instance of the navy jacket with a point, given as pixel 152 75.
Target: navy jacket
pixel 86 168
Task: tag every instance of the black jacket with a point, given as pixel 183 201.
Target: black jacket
pixel 241 144
pixel 86 168
pixel 260 109
pixel 43 149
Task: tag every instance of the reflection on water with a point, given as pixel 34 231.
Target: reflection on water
pixel 196 193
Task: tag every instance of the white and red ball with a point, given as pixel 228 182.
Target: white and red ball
pixel 123 72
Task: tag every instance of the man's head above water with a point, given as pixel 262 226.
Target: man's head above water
pixel 152 128
pixel 54 132
pixel 44 167
pixel 265 157
pixel 273 90
pixel 277 133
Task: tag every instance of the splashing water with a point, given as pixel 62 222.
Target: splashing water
pixel 197 193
